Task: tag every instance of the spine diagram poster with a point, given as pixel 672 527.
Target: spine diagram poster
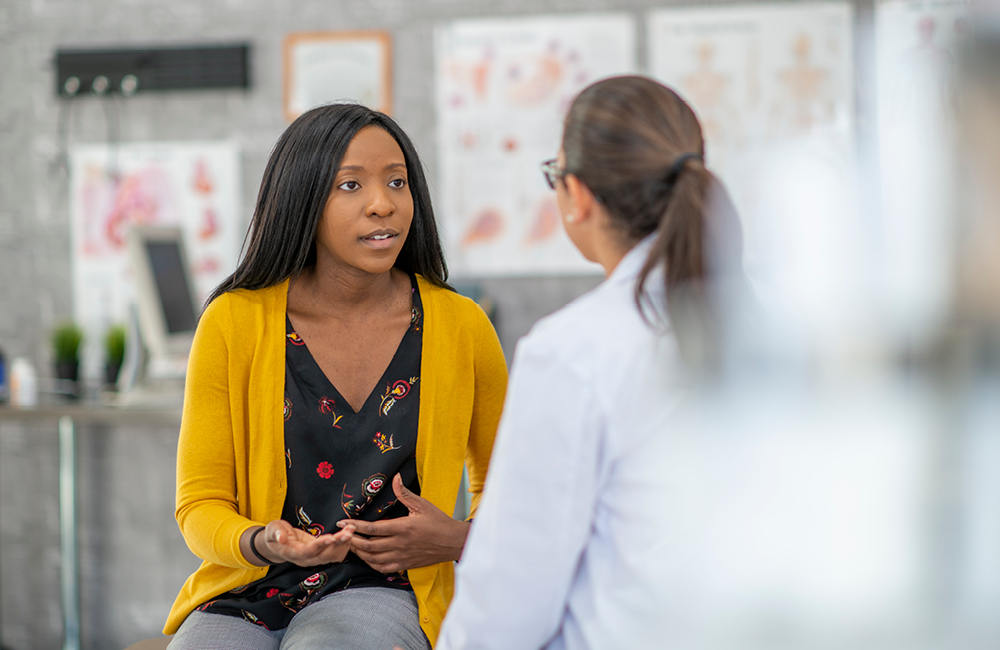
pixel 503 89
pixel 194 185
pixel 915 53
pixel 767 81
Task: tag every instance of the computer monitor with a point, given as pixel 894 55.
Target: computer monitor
pixel 164 295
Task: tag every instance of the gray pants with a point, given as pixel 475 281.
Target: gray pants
pixel 365 618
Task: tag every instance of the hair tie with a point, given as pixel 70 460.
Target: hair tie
pixel 678 166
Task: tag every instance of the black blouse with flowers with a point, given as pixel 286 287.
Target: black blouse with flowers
pixel 340 465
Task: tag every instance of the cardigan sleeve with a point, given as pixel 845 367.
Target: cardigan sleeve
pixel 488 398
pixel 207 509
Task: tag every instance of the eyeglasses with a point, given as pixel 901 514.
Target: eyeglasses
pixel 552 172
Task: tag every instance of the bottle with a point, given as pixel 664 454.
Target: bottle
pixel 23 383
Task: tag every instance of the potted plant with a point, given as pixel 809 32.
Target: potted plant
pixel 66 339
pixel 114 352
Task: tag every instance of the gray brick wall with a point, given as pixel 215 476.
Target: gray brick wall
pixel 133 560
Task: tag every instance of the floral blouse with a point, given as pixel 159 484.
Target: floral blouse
pixel 340 465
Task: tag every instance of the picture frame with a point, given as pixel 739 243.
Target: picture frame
pixel 330 67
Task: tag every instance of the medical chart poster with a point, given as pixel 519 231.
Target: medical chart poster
pixel 916 59
pixel 768 82
pixel 503 89
pixel 194 185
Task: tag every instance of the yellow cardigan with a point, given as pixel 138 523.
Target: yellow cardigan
pixel 231 460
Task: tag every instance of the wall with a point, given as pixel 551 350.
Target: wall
pixel 133 559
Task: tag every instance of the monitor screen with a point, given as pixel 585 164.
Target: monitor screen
pixel 171 284
pixel 164 292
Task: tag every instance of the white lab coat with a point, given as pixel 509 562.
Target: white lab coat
pixel 568 539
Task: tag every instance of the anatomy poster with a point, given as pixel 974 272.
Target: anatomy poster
pixel 915 45
pixel 768 82
pixel 192 185
pixel 503 88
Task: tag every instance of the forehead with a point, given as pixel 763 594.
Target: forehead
pixel 372 146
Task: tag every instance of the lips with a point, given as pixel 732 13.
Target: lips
pixel 380 239
pixel 380 235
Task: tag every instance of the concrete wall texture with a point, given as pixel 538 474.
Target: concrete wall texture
pixel 133 560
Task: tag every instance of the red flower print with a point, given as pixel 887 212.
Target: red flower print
pixel 397 391
pixel 371 485
pixel 324 469
pixel 271 593
pixel 295 339
pixel 288 408
pixel 400 388
pixel 306 524
pixel 326 406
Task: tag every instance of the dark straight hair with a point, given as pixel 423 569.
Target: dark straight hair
pixel 281 241
pixel 639 148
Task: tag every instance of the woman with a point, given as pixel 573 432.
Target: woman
pixel 569 544
pixel 335 380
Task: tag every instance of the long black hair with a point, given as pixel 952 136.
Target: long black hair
pixel 281 241
pixel 638 146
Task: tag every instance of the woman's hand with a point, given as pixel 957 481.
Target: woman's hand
pixel 427 536
pixel 282 542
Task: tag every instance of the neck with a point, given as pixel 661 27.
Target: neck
pixel 608 246
pixel 337 289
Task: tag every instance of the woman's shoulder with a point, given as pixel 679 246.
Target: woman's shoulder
pixel 243 305
pixel 603 322
pixel 442 299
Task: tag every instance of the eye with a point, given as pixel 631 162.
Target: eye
pixel 349 185
pixel 398 183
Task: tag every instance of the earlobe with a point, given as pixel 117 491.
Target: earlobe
pixel 580 197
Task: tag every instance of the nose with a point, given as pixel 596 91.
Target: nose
pixel 380 203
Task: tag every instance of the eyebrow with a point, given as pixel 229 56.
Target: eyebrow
pixel 359 168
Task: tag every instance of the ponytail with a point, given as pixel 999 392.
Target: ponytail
pixel 696 245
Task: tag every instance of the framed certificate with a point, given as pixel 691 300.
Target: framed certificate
pixel 328 67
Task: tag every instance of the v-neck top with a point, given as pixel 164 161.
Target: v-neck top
pixel 339 465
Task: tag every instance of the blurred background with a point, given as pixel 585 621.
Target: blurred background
pixel 838 483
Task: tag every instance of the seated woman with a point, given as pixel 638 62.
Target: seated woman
pixel 335 381
pixel 571 542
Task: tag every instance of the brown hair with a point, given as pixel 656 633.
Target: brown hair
pixel 624 138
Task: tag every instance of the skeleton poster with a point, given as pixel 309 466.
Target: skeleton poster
pixel 770 84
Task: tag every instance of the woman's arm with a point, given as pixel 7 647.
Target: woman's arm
pixel 207 510
pixel 490 391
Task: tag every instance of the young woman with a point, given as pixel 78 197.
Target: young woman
pixel 571 543
pixel 335 388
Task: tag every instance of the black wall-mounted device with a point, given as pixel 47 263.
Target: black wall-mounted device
pixel 128 71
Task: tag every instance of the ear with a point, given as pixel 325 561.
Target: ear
pixel 582 200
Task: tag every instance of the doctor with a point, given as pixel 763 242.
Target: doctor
pixel 565 550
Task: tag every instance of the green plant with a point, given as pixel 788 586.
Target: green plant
pixel 66 339
pixel 114 345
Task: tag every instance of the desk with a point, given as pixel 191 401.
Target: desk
pixel 65 417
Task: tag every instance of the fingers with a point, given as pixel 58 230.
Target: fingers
pixel 380 563
pixel 301 548
pixel 414 503
pixel 375 544
pixel 382 528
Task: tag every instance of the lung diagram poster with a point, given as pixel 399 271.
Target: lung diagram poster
pixel 503 89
